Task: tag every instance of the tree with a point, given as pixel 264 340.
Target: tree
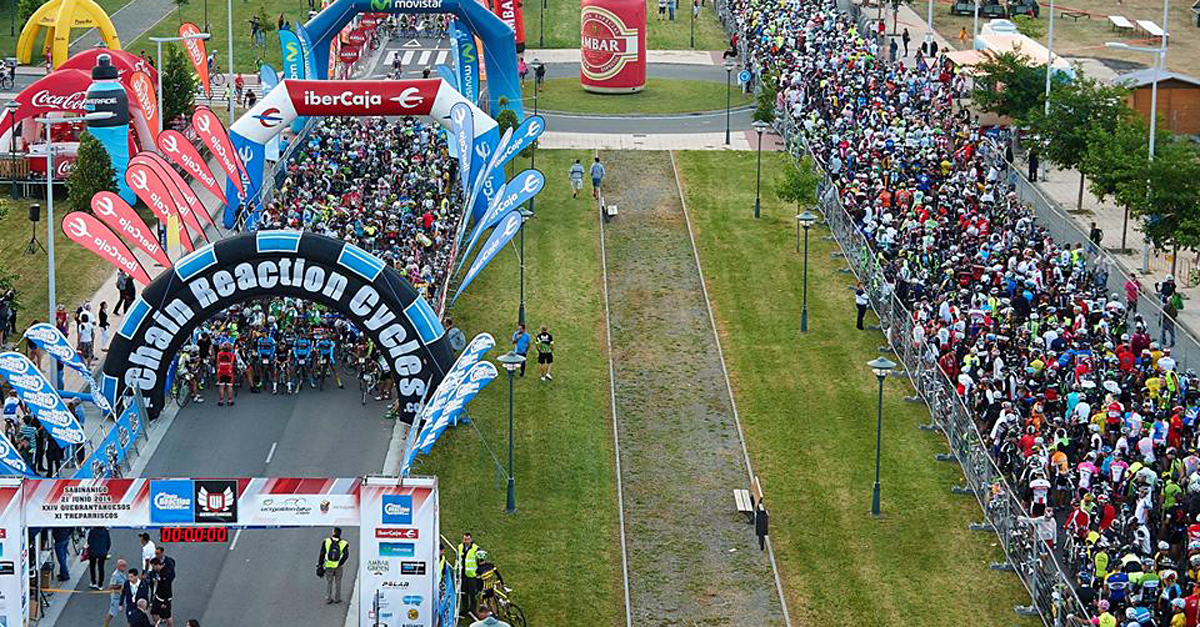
pixel 179 86
pixel 798 183
pixel 93 172
pixel 26 8
pixel 1029 26
pixel 765 109
pixel 1170 203
pixel 1008 84
pixel 1077 109
pixel 179 4
pixel 1112 163
pixel 506 119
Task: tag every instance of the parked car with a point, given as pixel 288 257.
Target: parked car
pixel 992 8
pixel 964 7
pixel 1024 7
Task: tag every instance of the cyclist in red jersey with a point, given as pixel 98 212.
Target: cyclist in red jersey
pixel 225 365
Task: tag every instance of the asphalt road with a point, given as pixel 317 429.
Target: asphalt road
pixel 264 577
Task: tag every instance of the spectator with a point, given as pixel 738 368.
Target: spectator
pixel 486 619
pixel 575 176
pixel 61 321
pixel 164 586
pixel 521 340
pixel 116 591
pixel 98 545
pixel 597 177
pixel 147 551
pixel 62 540
pixel 104 324
pixel 544 342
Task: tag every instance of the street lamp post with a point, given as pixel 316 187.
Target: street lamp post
pixel 541 20
pixel 49 124
pixel 229 82
pixel 881 366
pixel 158 42
pixel 525 216
pixel 806 221
pixel 729 65
pixel 759 127
pixel 12 107
pixel 511 363
pixel 1049 56
pixel 695 7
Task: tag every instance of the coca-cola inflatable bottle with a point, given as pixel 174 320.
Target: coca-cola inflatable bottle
pixel 107 94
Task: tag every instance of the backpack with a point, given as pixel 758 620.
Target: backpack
pixel 334 554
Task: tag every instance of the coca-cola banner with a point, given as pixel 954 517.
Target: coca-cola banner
pixel 146 183
pixel 178 199
pixel 61 91
pixel 120 217
pixel 196 54
pixel 175 147
pixel 212 133
pixel 84 229
pixel 63 164
pixel 143 93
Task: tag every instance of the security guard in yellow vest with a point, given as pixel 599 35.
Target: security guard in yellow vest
pixel 468 564
pixel 334 553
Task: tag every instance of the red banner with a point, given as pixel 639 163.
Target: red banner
pixel 510 12
pixel 177 148
pixel 84 229
pixel 178 198
pixel 153 191
pixel 120 217
pixel 349 53
pixel 143 91
pixel 410 97
pixel 170 175
pixel 208 126
pixel 195 52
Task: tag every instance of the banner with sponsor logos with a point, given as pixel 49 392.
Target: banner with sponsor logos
pixel 41 398
pixel 293 60
pixel 178 149
pixel 489 173
pixel 503 233
pixel 208 126
pixel 194 48
pixel 48 338
pixel 398 551
pixel 481 374
pixel 123 220
pixel 467 56
pixel 171 175
pixel 111 452
pixel 462 129
pixel 14 554
pixel 143 91
pixel 185 203
pixel 11 461
pixel 152 190
pixel 84 229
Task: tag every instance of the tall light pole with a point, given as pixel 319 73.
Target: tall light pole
pixel 12 107
pixel 541 20
pixel 1049 57
pixel 49 124
pixel 158 42
pixel 729 65
pixel 805 220
pixel 525 216
pixel 759 127
pixel 975 26
pixel 695 7
pixel 229 81
pixel 929 23
pixel 511 363
pixel 881 366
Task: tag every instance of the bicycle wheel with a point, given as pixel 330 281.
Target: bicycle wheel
pixel 182 394
pixel 513 615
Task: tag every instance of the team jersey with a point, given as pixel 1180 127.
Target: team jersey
pixel 225 362
pixel 325 347
pixel 303 348
pixel 266 346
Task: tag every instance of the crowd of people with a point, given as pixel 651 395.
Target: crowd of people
pixel 384 185
pixel 1086 413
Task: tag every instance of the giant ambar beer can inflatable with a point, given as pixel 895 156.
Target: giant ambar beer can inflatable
pixel 613 45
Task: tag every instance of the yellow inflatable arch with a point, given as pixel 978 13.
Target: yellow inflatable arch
pixel 59 17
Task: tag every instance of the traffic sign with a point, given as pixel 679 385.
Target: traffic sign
pixel 744 76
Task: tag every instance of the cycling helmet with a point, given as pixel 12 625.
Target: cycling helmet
pixel 1163 546
pixel 1178 603
pixel 481 555
pixel 1103 605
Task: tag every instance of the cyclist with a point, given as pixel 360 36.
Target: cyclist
pixel 303 360
pixel 489 577
pixel 226 362
pixel 188 368
pixel 283 366
pixel 325 356
pixel 266 356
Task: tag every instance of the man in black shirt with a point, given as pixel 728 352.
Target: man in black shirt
pixel 135 589
pixel 164 585
pixel 544 342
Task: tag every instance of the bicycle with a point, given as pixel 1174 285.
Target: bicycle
pixel 181 391
pixel 7 78
pixel 503 608
pixel 368 380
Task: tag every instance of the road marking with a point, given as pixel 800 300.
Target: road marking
pixel 233 545
pixel 272 452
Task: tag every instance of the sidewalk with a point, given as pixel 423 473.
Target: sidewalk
pixel 738 140
pixel 679 57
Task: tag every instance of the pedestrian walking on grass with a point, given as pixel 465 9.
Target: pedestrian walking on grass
pixel 544 342
pixel 575 176
pixel 860 301
pixel 597 173
pixel 521 340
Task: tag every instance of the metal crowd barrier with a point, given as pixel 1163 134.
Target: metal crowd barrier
pixel 1053 596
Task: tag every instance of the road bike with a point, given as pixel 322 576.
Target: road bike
pixel 368 379
pixel 322 371
pixel 505 609
pixel 181 390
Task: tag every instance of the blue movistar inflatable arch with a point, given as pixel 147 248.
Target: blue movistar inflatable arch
pixel 499 42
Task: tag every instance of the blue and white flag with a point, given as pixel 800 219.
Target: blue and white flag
pixel 41 398
pixel 517 192
pixel 268 77
pixel 114 450
pixel 11 461
pixel 48 338
pixel 447 74
pixel 481 173
pixel 477 377
pixel 293 54
pixel 504 231
pixel 462 126
pixel 468 61
pixel 509 146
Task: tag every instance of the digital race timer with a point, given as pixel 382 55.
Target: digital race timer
pixel 194 534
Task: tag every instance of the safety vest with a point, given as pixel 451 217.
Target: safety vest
pixel 468 560
pixel 342 546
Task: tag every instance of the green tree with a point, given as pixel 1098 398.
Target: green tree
pixel 765 109
pixel 506 119
pixel 179 4
pixel 1009 84
pixel 1029 26
pixel 26 8
pixel 179 86
pixel 1166 196
pixel 93 172
pixel 1077 109
pixel 1112 163
pixel 798 183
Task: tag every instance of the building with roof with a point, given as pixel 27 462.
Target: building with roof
pixel 1178 98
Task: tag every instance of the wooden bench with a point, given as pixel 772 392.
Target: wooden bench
pixel 1120 23
pixel 1151 28
pixel 749 500
pixel 1075 14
